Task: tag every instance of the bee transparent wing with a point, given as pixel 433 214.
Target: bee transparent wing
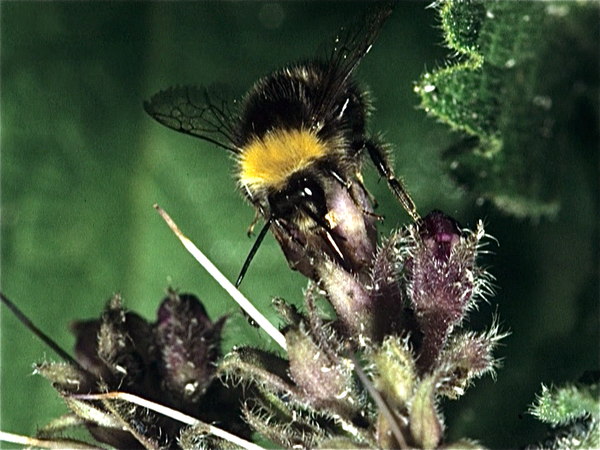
pixel 192 111
pixel 349 48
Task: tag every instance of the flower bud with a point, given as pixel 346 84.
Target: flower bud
pixel 441 276
pixel 395 372
pixel 327 383
pixel 351 301
pixel 125 346
pixel 189 345
pixel 425 424
pixel 467 356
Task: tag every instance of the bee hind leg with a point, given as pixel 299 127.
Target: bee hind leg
pixel 379 157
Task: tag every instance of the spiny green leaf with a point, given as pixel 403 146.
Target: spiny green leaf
pixel 560 405
pixel 512 90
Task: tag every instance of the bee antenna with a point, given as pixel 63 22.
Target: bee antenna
pixel 250 257
pixel 39 333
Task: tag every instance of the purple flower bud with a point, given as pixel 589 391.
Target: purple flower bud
pixel 126 346
pixel 440 233
pixel 441 278
pixel 189 345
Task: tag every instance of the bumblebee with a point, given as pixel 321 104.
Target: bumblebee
pixel 298 138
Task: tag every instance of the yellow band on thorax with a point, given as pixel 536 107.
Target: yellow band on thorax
pixel 272 159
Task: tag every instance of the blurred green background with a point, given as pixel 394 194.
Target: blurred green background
pixel 82 165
